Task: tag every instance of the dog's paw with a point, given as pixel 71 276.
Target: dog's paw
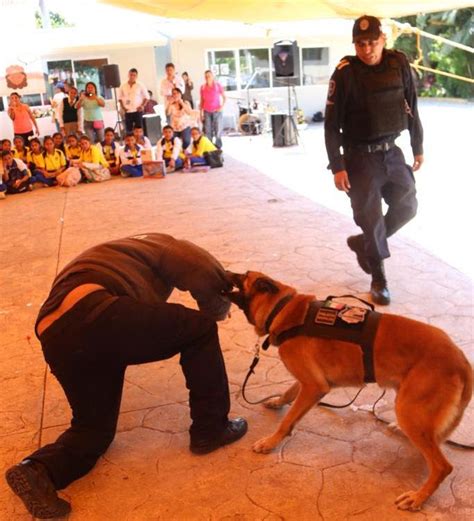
pixel 410 500
pixel 274 403
pixel 265 445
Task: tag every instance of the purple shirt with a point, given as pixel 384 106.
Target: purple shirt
pixel 211 96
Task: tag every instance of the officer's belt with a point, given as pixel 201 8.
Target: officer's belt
pixel 371 148
pixel 351 333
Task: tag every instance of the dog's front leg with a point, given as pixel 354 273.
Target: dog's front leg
pixel 308 396
pixel 287 397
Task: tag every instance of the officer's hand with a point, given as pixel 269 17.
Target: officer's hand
pixel 341 180
pixel 417 162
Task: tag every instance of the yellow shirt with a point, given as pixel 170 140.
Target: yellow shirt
pixel 73 152
pixel 23 155
pixel 37 160
pixel 204 145
pixel 54 161
pixel 94 155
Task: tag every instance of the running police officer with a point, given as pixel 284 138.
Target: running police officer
pixel 107 309
pixel 371 99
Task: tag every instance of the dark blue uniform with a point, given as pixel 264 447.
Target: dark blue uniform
pixel 367 108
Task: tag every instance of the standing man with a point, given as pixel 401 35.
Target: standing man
pixel 133 96
pixel 107 310
pixel 211 105
pixel 371 99
pixel 171 81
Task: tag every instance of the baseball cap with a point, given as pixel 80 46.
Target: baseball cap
pixel 366 27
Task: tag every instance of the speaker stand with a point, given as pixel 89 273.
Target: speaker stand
pixel 280 132
pixel 119 125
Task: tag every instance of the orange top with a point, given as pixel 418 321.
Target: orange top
pixel 22 123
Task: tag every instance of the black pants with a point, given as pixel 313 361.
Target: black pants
pixel 133 119
pixel 89 355
pixel 373 177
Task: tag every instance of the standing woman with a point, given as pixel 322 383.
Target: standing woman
pixel 188 87
pixel 22 117
pixel 92 104
pixel 180 114
pixel 68 113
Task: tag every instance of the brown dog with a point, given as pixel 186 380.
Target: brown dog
pixel 431 376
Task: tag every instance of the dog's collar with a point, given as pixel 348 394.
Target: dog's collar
pixel 278 307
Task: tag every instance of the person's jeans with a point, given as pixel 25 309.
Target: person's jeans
pixel 185 136
pixel 133 120
pixel 96 135
pixel 39 177
pixel 88 350
pixel 131 170
pixel 213 126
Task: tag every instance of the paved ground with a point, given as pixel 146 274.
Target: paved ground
pixel 337 465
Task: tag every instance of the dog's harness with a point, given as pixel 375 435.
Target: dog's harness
pixel 334 321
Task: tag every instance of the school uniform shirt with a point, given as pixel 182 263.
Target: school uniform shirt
pixel 110 152
pixel 146 143
pixel 15 171
pixel 36 160
pixel 127 155
pixel 73 152
pixel 197 148
pixel 54 161
pixel 23 155
pixel 169 149
pixel 94 155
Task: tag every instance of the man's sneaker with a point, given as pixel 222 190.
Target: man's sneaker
pixel 233 431
pixel 378 287
pixel 356 244
pixel 31 483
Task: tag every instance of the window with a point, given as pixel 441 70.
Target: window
pixel 313 60
pixel 33 100
pixel 223 66
pixel 254 68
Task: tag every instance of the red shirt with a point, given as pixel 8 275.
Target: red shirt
pixel 211 96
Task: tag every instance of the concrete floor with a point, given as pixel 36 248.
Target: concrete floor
pixel 337 464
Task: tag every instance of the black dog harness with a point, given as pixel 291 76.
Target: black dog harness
pixel 335 321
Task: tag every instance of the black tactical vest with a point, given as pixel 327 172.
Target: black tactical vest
pixel 376 104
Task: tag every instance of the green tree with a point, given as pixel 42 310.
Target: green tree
pixel 57 20
pixel 456 25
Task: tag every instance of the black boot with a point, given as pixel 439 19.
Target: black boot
pixel 233 431
pixel 356 244
pixel 378 287
pixel 31 483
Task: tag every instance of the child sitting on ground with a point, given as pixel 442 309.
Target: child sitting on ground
pixel 59 142
pixel 197 148
pixel 141 139
pixel 16 178
pixel 20 150
pixel 73 150
pixel 131 158
pixel 110 149
pixel 92 162
pixel 169 149
pixel 37 165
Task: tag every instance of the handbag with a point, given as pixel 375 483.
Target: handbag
pixel 94 172
pixel 214 158
pixel 98 124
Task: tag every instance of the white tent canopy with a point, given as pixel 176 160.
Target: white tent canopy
pixel 252 11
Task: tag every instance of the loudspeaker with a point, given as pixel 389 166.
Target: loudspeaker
pixel 283 130
pixel 111 76
pixel 152 127
pixel 286 57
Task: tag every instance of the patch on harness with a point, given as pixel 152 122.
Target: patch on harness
pixel 326 316
pixel 353 315
pixel 332 310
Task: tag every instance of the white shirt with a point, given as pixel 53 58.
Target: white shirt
pixel 133 96
pixel 57 100
pixel 176 146
pixel 167 86
pixel 127 156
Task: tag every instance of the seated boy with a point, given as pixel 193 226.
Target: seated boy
pixel 110 149
pixel 141 139
pixel 198 146
pixel 169 149
pixel 16 177
pixel 131 158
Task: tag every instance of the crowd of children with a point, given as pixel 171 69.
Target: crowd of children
pixel 59 161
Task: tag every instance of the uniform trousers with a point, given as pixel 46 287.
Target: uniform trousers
pixel 374 177
pixel 88 350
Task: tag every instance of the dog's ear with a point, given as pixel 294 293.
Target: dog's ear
pixel 237 298
pixel 236 279
pixel 263 285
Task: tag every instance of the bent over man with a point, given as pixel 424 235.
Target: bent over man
pixel 106 310
pixel 371 99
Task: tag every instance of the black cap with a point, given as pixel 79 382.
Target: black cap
pixel 366 27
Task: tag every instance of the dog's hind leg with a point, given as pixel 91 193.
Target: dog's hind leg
pixel 286 398
pixel 425 414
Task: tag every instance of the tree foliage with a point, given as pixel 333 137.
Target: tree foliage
pixel 57 20
pixel 456 25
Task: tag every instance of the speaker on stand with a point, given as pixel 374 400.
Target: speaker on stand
pixel 286 58
pixel 112 81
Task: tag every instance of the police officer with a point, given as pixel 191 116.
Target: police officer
pixel 371 99
pixel 106 310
